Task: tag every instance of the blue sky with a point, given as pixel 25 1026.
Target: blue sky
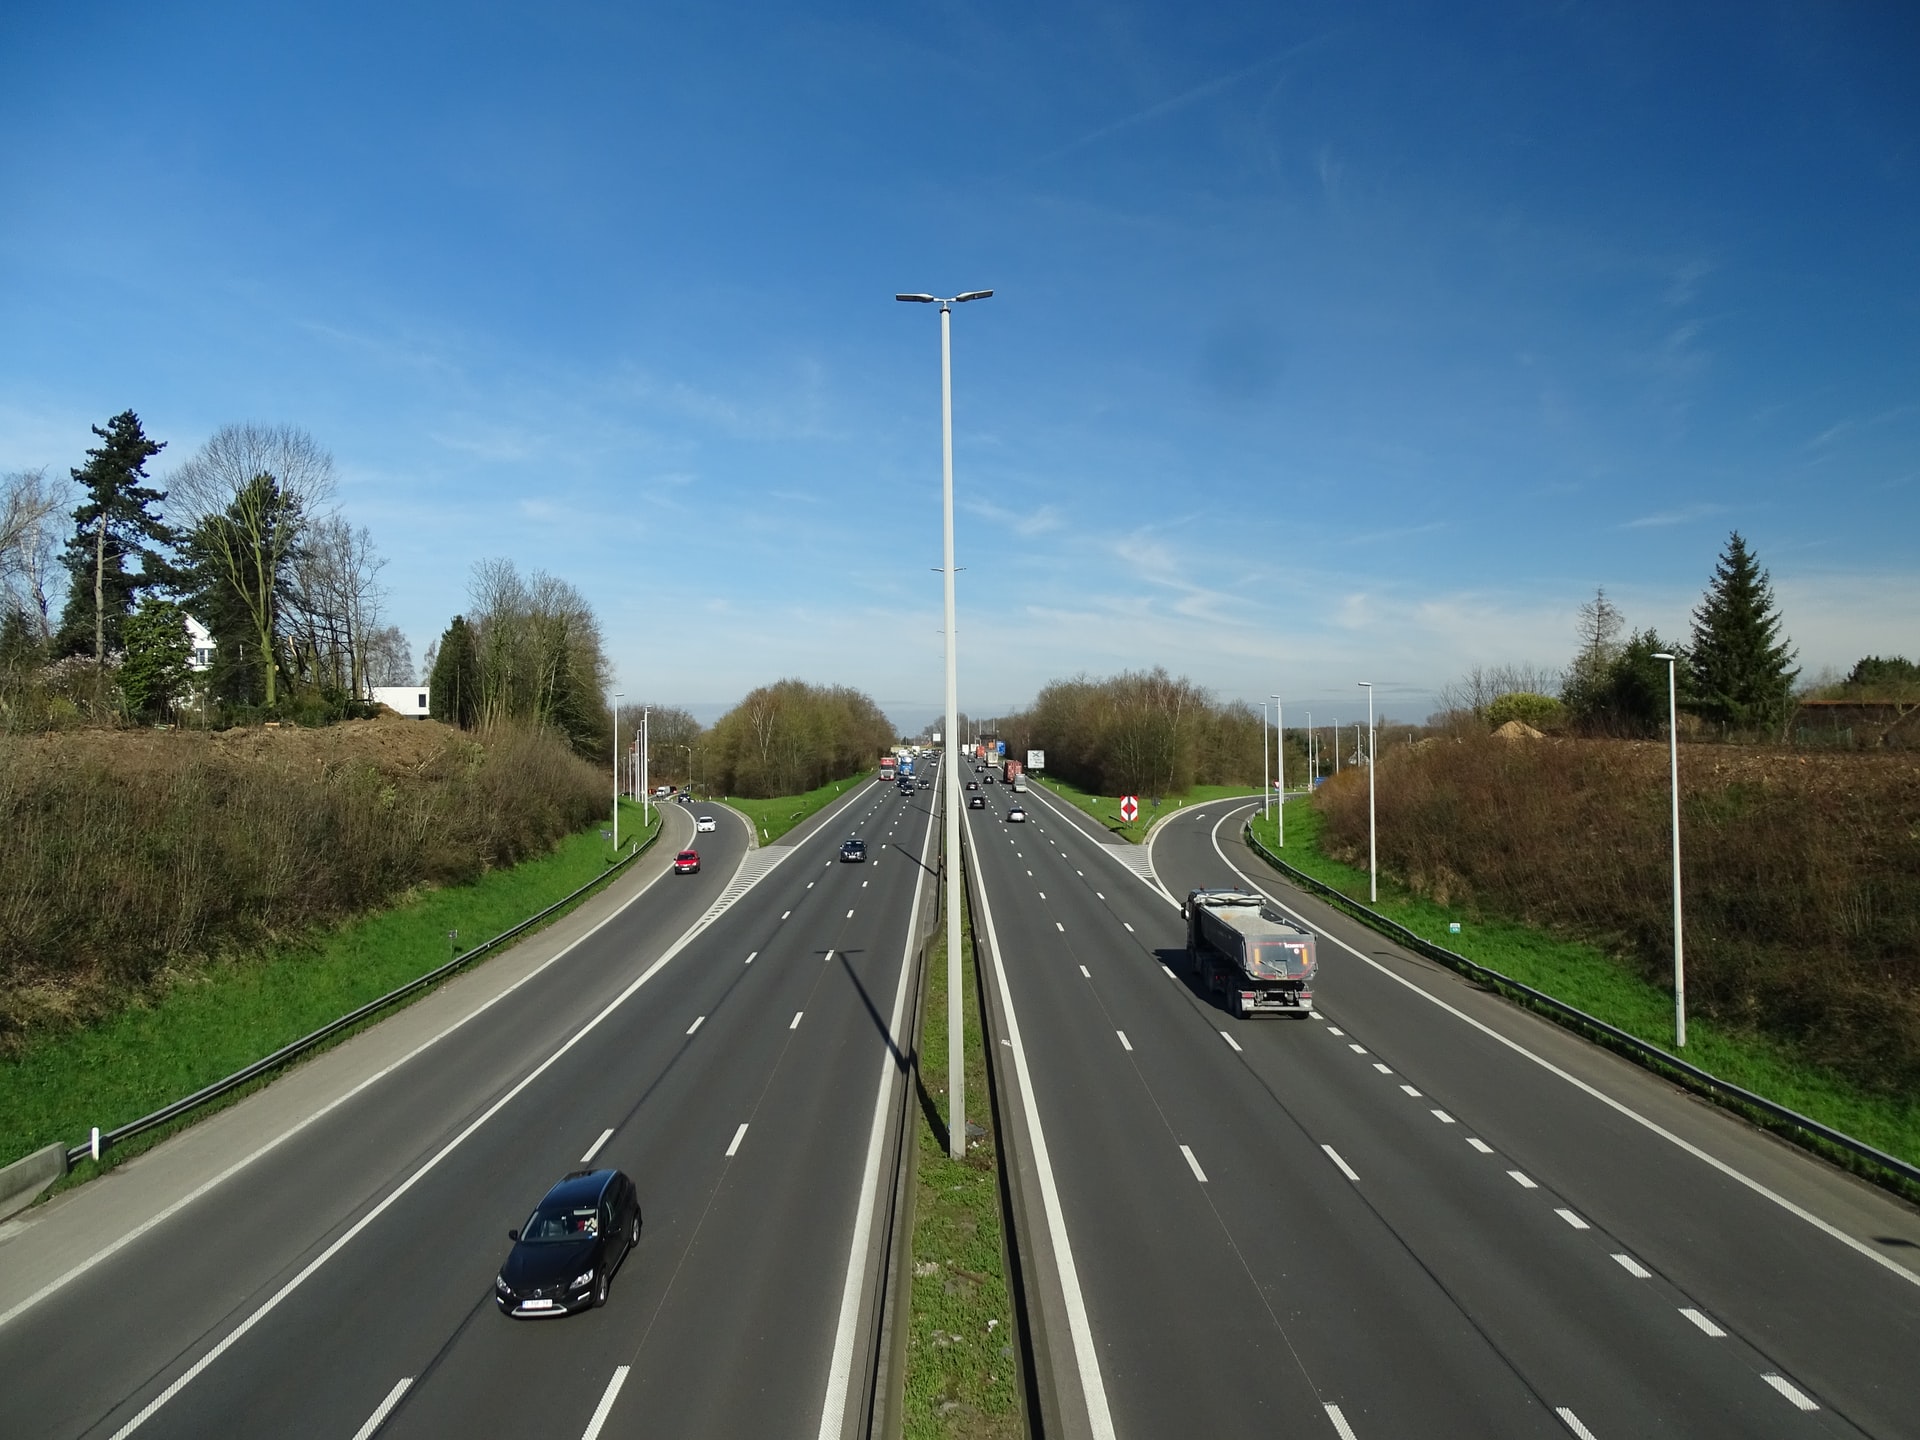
pixel 1331 342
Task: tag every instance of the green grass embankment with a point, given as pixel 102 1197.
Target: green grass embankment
pixel 227 1015
pixel 774 818
pixel 1587 977
pixel 963 1365
pixel 1106 808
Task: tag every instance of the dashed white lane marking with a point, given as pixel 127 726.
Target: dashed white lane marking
pixel 750 956
pixel 1129 928
pixel 1194 1165
pixel 1443 1117
pixel 1571 1218
pixel 1356 1049
pixel 1572 1422
pixel 384 1409
pixel 849 914
pixel 1125 1044
pixel 1411 1091
pixel 1345 1169
pixel 1480 1145
pixel 1383 1069
pixel 1633 1267
pixel 1705 1326
pixel 606 1135
pixel 796 1020
pixel 1098 896
pixel 1081 873
pixel 1058 926
pixel 809 884
pixel 1230 1040
pixel 1521 1179
pixel 1029 874
pixel 829 959
pixel 863 884
pixel 1043 894
pixel 1340 1425
pixel 1086 972
pixel 738 1136
pixel 605 1407
pixel 785 913
pixel 1798 1397
pixel 698 1021
pixel 1332 1031
pixel 1168 973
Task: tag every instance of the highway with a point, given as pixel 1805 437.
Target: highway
pixel 1421 1213
pixel 319 1259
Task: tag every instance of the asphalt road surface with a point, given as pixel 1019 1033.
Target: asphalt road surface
pixel 1419 1213
pixel 319 1260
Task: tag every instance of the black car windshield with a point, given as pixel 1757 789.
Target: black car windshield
pixel 552 1223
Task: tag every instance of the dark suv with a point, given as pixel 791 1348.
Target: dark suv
pixel 564 1257
pixel 854 849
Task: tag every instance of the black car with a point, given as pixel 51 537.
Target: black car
pixel 976 802
pixel 564 1257
pixel 854 849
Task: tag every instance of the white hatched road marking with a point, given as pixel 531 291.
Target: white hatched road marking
pixel 605 1407
pixel 1706 1326
pixel 1521 1179
pixel 384 1409
pixel 1571 1218
pixel 1633 1267
pixel 1798 1397
pixel 1194 1165
pixel 1345 1169
pixel 1572 1422
pixel 594 1149
pixel 1340 1425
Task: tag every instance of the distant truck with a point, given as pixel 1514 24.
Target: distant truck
pixel 1012 773
pixel 1242 949
pixel 889 767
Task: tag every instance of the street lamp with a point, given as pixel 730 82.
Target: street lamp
pixel 646 754
pixel 1313 757
pixel 618 696
pixel 689 750
pixel 1673 759
pixel 1373 853
pixel 956 1053
pixel 1280 770
pixel 1266 767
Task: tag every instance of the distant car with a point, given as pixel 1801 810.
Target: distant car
pixel 703 823
pixel 687 862
pixel 1016 815
pixel 976 802
pixel 973 784
pixel 564 1257
pixel 854 849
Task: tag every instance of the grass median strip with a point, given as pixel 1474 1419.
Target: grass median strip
pixel 963 1363
pixel 223 1016
pixel 1585 976
pixel 1106 808
pixel 773 818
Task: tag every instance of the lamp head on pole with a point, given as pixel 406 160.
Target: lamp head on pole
pixel 1662 655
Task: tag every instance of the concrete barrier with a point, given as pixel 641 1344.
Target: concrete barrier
pixel 23 1180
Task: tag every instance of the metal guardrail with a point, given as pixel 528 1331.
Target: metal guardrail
pixel 1859 1156
pixel 305 1043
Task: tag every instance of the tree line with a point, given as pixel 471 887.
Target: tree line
pixel 245 539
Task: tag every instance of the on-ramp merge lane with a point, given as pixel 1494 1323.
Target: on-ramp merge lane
pixel 1434 1293
pixel 722 1320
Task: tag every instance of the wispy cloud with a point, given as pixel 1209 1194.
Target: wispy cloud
pixel 1682 516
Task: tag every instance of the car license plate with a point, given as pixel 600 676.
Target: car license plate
pixel 536 1304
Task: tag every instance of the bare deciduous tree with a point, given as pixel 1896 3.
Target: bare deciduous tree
pixel 29 544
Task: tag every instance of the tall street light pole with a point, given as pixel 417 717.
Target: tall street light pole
pixel 1373 852
pixel 646 780
pixel 956 1014
pixel 1280 770
pixel 618 696
pixel 1313 759
pixel 1673 759
pixel 1266 767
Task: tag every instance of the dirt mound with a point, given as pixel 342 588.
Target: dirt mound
pixel 389 744
pixel 1517 730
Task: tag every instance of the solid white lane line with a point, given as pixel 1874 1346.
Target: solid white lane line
pixel 1129 928
pixel 1633 1267
pixel 1194 1165
pixel 1340 1425
pixel 1480 1145
pixel 1705 1326
pixel 594 1149
pixel 796 1020
pixel 1738 1176
pixel 734 1145
pixel 1383 1069
pixel 1168 973
pixel 1086 972
pixel 1443 1117
pixel 1345 1169
pixel 1799 1398
pixel 1230 1040
pixel 1520 1179
pixel 750 955
pixel 1572 1422
pixel 1125 1044
pixel 1411 1091
pixel 698 1021
pixel 1571 1218
pixel 384 1409
pixel 605 1407
pixel 1086 1355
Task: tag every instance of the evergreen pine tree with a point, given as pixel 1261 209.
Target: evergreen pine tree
pixel 112 526
pixel 453 692
pixel 155 670
pixel 1742 669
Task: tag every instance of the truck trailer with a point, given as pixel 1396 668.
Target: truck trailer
pixel 1259 961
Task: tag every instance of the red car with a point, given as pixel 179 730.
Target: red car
pixel 687 862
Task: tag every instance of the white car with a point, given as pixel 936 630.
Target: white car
pixel 703 823
pixel 1016 815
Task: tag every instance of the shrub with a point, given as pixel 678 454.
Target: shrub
pixel 1542 712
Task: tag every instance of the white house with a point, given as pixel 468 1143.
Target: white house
pixel 408 700
pixel 201 656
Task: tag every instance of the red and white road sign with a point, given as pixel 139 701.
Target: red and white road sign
pixel 1129 807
